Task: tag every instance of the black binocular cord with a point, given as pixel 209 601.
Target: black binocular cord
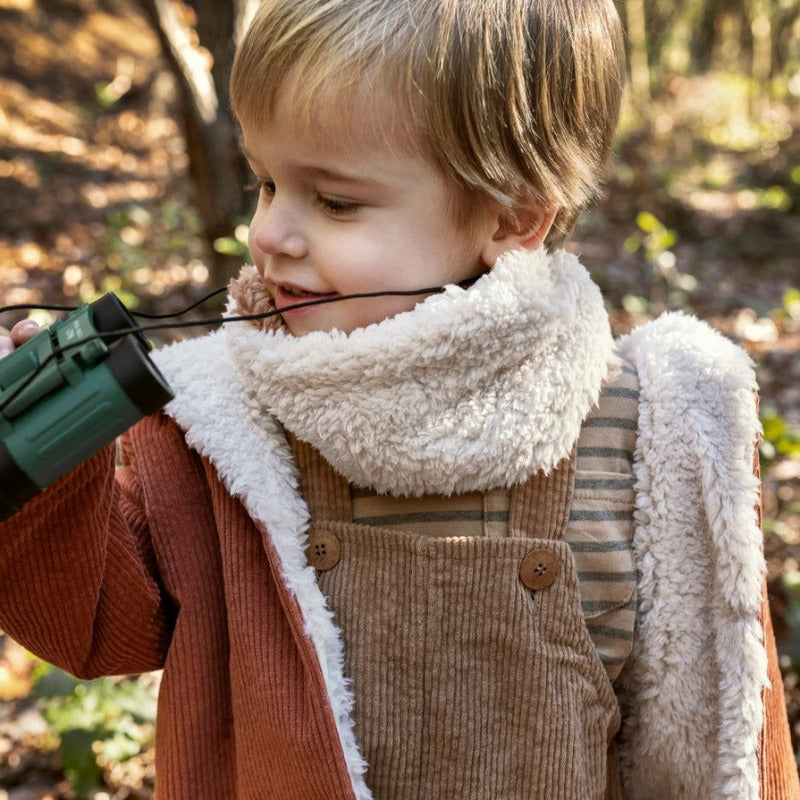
pixel 59 351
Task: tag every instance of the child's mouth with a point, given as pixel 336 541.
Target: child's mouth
pixel 298 292
pixel 286 297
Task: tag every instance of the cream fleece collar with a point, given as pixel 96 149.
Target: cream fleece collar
pixel 473 389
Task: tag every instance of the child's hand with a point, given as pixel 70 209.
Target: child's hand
pixel 18 335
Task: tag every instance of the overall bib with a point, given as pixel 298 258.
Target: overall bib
pixel 472 667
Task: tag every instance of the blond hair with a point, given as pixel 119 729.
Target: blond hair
pixel 515 100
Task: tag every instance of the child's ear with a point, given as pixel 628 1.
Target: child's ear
pixel 523 229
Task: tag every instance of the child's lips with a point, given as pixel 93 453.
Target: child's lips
pixel 285 296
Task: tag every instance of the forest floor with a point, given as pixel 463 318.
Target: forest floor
pixel 702 214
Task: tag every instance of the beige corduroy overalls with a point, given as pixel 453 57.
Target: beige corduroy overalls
pixel 473 671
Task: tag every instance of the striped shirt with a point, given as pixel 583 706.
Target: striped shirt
pixel 600 526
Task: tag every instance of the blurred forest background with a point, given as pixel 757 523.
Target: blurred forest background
pixel 119 172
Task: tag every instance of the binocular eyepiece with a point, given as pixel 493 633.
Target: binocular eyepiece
pixel 69 391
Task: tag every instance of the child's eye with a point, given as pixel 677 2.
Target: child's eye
pixel 267 187
pixel 335 206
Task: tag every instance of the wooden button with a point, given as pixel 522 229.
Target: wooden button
pixel 539 569
pixel 324 550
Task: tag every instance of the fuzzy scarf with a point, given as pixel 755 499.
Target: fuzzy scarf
pixel 474 389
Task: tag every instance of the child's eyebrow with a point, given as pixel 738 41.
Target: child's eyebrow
pixel 337 174
pixel 317 170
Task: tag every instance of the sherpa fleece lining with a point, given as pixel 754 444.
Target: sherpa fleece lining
pixel 691 693
pixel 691 698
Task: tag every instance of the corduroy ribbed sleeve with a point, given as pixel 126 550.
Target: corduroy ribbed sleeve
pixel 78 584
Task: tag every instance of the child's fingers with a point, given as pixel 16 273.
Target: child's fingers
pixel 23 331
pixel 18 335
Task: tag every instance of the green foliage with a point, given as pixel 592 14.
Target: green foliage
pixel 95 721
pixel 669 287
pixel 789 310
pixel 235 245
pixel 781 438
pixel 791 648
pixel 652 237
pixel 105 95
pixel 109 94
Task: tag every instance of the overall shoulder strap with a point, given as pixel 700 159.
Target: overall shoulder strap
pixel 325 491
pixel 540 506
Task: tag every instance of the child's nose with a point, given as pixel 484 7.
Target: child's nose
pixel 275 231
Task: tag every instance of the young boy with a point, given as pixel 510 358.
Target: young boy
pixel 455 546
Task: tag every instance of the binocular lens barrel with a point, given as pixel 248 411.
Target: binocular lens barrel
pixel 110 315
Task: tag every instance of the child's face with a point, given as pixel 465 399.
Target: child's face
pixel 349 214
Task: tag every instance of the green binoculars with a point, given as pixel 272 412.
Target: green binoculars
pixel 69 391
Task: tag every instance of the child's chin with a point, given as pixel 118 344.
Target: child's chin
pixel 299 328
pixel 304 323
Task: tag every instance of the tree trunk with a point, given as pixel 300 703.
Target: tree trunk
pixel 761 29
pixel 216 165
pixel 637 36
